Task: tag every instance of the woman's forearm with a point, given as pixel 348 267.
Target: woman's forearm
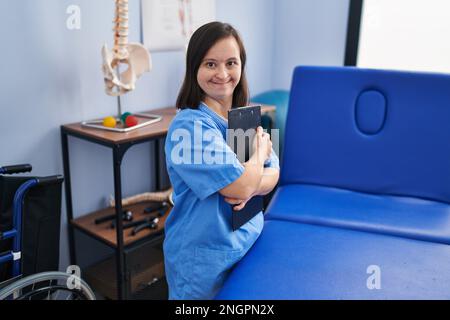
pixel 268 181
pixel 248 183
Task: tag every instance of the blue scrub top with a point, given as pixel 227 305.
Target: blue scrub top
pixel 200 247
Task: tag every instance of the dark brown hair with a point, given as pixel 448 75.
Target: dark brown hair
pixel 201 41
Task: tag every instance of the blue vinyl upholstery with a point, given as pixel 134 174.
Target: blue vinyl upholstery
pixel 408 156
pixel 400 216
pixel 365 180
pixel 300 261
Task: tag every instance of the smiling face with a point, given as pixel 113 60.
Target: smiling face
pixel 220 71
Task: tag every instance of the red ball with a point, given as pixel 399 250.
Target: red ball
pixel 131 121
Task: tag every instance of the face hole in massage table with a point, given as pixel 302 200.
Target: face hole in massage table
pixel 370 112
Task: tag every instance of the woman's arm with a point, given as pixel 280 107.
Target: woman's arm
pixel 268 181
pixel 249 182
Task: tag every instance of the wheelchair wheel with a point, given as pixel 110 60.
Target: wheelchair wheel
pixel 48 286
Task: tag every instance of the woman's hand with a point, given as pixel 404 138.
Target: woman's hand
pixel 247 185
pixel 238 204
pixel 262 145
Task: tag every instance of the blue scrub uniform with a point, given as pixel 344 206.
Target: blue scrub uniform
pixel 200 247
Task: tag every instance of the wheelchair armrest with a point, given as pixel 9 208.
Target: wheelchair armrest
pixel 49 179
pixel 19 168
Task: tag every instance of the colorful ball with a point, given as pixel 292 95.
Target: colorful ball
pixel 124 116
pixel 131 121
pixel 109 122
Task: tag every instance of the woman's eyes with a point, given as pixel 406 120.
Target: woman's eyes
pixel 212 65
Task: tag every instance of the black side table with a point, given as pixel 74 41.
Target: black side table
pixel 119 143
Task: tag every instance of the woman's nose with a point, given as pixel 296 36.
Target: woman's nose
pixel 222 73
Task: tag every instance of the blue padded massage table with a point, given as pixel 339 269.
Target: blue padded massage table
pixel 365 181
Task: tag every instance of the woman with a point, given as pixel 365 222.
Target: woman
pixel 200 247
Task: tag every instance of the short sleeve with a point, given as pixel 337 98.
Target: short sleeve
pixel 199 154
pixel 273 161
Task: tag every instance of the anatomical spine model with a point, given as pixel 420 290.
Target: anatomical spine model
pixel 134 55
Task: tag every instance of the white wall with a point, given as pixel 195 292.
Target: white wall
pixel 308 32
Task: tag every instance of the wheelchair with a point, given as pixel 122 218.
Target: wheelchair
pixel 30 216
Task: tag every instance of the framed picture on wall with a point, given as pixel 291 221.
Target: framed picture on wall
pixel 169 24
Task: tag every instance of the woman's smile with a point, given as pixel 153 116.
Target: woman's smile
pixel 221 83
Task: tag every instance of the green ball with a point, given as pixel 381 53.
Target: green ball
pixel 124 116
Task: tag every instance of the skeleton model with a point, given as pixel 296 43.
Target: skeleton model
pixel 137 58
pixel 134 55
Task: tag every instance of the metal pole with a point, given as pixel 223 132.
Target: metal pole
pixel 122 284
pixel 68 189
pixel 119 103
pixel 119 107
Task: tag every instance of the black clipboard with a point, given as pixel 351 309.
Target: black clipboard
pixel 245 118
